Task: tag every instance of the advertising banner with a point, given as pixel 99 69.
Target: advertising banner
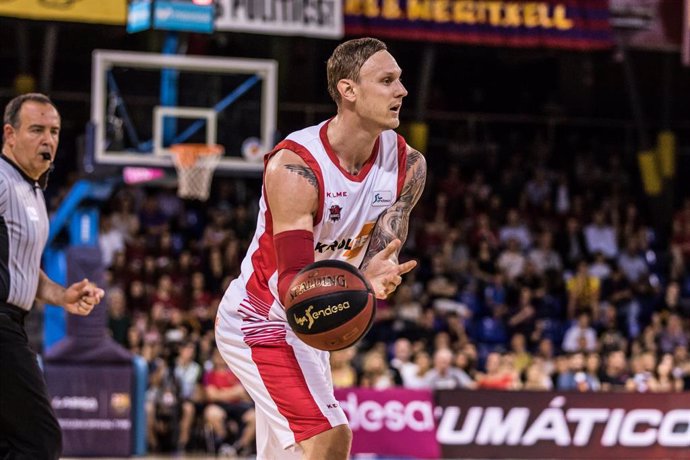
pixel 650 24
pixel 183 16
pixel 94 11
pixel 312 18
pixel 394 422
pixel 502 424
pixel 93 407
pixel 570 24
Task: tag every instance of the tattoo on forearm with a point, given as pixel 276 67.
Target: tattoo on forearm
pixel 305 172
pixel 394 223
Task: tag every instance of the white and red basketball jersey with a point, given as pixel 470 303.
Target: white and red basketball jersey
pixel 349 207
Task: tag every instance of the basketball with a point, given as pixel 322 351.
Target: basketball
pixel 330 305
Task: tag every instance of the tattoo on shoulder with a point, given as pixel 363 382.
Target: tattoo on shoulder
pixel 305 172
pixel 413 157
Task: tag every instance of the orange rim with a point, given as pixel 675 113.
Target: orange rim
pixel 187 154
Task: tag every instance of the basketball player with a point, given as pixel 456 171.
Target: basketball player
pixel 28 427
pixel 343 189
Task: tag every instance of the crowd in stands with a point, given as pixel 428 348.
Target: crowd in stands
pixel 534 274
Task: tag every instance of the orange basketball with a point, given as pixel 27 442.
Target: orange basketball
pixel 330 305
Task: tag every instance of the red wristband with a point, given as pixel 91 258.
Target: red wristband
pixel 294 251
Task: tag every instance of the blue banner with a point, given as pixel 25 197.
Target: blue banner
pixel 182 16
pixel 139 16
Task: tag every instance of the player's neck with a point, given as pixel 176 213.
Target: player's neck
pixel 351 142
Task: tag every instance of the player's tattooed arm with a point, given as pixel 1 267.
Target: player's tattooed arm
pixel 305 172
pixel 394 222
pixel 292 192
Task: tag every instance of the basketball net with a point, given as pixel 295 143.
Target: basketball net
pixel 195 164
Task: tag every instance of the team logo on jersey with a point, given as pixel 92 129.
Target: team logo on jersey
pixel 382 198
pixel 351 247
pixel 334 213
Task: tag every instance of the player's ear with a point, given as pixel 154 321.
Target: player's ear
pixel 346 88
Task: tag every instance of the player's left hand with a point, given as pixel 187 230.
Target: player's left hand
pixel 81 297
pixel 384 272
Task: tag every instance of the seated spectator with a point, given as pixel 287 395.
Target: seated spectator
pixel 544 257
pixel 484 263
pixel 415 377
pixel 571 244
pixel 344 375
pixel 536 377
pixel 600 268
pixel 444 375
pixel 672 302
pixel 615 372
pixel 668 378
pixel 576 377
pixel 119 319
pixel 376 373
pixel 402 355
pixel 642 380
pixel 500 374
pixel 583 292
pixel 581 336
pixel 518 348
pixel 632 263
pixel 600 236
pixel 593 369
pixel 515 229
pixel 521 318
pixel 673 335
pixel 228 401
pixel 511 261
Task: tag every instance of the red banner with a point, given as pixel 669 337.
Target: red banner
pixel 498 424
pixel 395 422
pixel 572 24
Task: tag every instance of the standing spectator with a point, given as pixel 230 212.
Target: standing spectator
pixel 187 374
pixel 228 401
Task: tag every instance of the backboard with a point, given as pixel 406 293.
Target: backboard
pixel 142 103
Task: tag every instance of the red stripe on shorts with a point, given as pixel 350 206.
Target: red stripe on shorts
pixel 283 378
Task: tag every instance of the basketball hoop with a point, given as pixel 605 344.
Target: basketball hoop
pixel 195 164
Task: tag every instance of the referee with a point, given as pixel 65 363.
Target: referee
pixel 28 427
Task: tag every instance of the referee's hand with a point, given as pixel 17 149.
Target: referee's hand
pixel 81 297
